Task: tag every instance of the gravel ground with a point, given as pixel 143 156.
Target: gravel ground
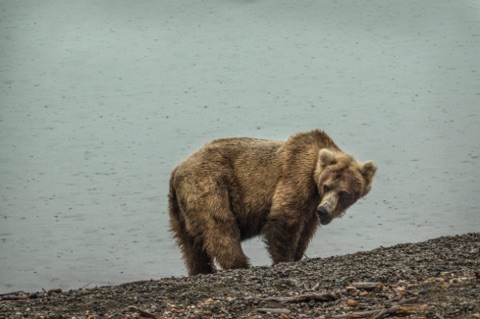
pixel 439 278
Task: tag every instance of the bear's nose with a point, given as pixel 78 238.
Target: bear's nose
pixel 324 216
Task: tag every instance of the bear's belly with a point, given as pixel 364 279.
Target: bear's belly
pixel 251 218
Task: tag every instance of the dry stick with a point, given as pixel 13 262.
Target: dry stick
pixel 367 285
pixel 143 312
pixel 13 298
pixel 12 293
pixel 300 298
pixel 408 301
pixel 383 313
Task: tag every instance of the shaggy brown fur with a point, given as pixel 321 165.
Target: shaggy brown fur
pixel 236 188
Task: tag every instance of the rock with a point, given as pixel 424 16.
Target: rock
pixel 438 279
pixel 274 310
pixel 352 303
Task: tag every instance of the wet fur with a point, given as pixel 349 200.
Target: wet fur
pixel 236 188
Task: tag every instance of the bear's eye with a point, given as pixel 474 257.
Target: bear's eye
pixel 326 188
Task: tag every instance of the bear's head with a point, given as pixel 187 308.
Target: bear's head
pixel 341 181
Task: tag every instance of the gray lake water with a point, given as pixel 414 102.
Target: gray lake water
pixel 100 100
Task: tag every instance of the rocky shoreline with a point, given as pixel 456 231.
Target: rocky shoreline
pixel 439 278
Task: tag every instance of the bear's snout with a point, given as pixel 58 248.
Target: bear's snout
pixel 327 207
pixel 323 215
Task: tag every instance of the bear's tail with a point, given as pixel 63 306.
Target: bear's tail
pixel 176 218
pixel 173 208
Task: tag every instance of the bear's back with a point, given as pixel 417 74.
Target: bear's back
pixel 241 151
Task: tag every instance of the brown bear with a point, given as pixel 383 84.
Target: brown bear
pixel 235 188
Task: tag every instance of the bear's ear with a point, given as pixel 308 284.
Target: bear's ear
pixel 326 157
pixel 368 169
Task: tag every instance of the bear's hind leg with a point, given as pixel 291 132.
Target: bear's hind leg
pixel 196 259
pixel 226 249
pixel 222 234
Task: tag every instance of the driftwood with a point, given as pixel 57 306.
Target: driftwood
pixel 367 285
pixel 21 295
pixel 402 309
pixel 143 313
pixel 11 296
pixel 300 298
pixel 384 313
pixel 12 293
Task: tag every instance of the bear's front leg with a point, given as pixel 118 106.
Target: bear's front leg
pixel 282 234
pixel 286 221
pixel 306 235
